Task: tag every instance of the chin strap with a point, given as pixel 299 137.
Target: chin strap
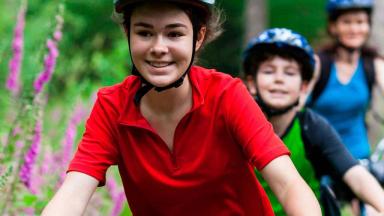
pixel 350 50
pixel 269 111
pixel 146 86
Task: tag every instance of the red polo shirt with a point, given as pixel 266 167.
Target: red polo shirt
pixel 216 145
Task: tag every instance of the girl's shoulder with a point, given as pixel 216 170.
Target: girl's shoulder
pixel 212 77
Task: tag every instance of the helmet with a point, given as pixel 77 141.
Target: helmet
pixel 120 4
pixel 333 5
pixel 279 39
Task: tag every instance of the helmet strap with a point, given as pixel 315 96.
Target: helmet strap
pixel 271 112
pixel 350 50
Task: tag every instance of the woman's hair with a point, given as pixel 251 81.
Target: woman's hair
pixel 268 52
pixel 334 15
pixel 200 16
pixel 367 51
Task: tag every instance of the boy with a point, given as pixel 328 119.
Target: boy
pixel 279 65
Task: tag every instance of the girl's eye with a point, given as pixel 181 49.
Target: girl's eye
pixel 175 34
pixel 144 33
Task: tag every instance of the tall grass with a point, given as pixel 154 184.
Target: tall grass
pixel 40 135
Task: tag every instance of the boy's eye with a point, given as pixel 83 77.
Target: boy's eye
pixel 290 73
pixel 268 71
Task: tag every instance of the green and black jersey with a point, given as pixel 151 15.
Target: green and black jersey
pixel 316 150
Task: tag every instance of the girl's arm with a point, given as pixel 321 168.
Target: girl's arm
pixel 365 186
pixel 292 192
pixel 73 195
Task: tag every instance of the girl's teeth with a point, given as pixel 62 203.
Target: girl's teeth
pixel 159 64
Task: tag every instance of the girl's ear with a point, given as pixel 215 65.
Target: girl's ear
pixel 251 85
pixel 200 37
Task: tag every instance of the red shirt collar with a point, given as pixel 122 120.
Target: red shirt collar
pixel 131 115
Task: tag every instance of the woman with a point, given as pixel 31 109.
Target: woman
pixel 181 146
pixel 349 70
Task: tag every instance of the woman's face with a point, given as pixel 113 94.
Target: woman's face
pixel 161 37
pixel 352 29
pixel 279 82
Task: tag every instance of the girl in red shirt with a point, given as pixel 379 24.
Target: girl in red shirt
pixel 185 138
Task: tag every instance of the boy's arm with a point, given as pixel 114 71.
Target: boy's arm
pixel 73 195
pixel 365 186
pixel 292 192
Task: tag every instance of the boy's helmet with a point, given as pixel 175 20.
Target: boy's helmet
pixel 280 39
pixel 120 4
pixel 334 5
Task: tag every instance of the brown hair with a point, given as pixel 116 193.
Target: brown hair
pixel 200 16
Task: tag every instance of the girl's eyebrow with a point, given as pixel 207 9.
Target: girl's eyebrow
pixel 147 25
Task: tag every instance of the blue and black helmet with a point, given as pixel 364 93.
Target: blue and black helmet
pixel 277 41
pixel 333 5
pixel 120 4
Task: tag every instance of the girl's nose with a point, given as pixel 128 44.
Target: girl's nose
pixel 159 47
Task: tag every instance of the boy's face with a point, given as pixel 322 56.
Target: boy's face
pixel 279 82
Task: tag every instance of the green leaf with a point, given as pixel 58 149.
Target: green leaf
pixel 29 200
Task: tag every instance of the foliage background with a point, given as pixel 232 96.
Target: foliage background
pixel 94 53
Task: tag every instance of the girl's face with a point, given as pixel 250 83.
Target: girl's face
pixel 279 82
pixel 161 37
pixel 352 29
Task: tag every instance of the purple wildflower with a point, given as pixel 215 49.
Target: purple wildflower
pixel 30 157
pixel 119 203
pixel 29 211
pixel 13 83
pixel 70 135
pixel 50 58
pixel 49 66
pixel 118 196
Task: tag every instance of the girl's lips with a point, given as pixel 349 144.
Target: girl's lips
pixel 159 64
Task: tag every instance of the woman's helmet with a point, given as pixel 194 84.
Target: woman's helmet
pixel 279 41
pixel 120 4
pixel 275 40
pixel 201 5
pixel 335 5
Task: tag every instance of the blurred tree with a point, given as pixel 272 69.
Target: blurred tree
pixel 378 23
pixel 256 18
pixel 303 16
pixel 375 120
pixel 224 54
